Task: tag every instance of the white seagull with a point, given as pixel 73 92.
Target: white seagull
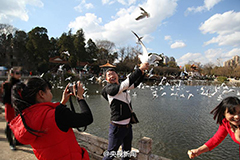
pixel 190 95
pixel 85 68
pixel 134 94
pixel 238 93
pixel 163 94
pixel 60 68
pixel 145 57
pixel 91 79
pixel 68 78
pixel 67 53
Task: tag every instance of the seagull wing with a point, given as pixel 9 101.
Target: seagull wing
pixel 153 58
pixel 140 17
pixel 144 56
pixel 142 9
pixel 145 13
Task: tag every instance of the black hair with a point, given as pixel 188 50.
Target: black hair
pixel 24 96
pixel 229 103
pixel 109 69
pixel 12 71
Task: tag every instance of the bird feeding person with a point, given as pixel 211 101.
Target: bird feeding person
pixel 120 130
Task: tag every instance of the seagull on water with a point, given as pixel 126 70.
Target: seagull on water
pixel 134 94
pixel 163 94
pixel 238 93
pixel 155 95
pixel 190 95
pixel 143 14
pixel 91 79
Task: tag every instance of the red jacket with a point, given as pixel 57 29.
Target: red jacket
pixel 53 144
pixel 9 112
pixel 223 130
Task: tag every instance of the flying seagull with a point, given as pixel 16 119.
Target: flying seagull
pixel 145 57
pixel 143 14
pixel 67 53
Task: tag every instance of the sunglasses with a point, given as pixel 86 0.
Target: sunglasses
pixel 17 73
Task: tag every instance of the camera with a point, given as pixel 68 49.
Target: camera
pixel 70 88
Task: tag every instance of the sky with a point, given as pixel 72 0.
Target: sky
pixel 189 30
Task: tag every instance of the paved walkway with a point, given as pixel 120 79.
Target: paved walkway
pixel 22 152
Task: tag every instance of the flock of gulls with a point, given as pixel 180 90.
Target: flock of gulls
pixel 179 91
pixel 160 89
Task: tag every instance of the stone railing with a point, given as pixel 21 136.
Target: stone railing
pixel 97 148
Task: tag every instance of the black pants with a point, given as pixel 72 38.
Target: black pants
pixel 119 136
pixel 9 135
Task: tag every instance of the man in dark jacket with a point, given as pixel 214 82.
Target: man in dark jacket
pixel 120 130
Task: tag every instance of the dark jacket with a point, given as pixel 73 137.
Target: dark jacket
pixel 118 97
pixel 7 100
pixel 7 90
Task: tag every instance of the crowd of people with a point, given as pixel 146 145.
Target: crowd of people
pixel 32 118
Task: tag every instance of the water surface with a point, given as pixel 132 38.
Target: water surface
pixel 175 123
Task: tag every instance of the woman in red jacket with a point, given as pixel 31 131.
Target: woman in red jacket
pixel 47 126
pixel 227 114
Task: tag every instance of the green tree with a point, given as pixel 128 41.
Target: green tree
pixel 6 50
pixel 65 43
pixel 54 48
pixel 91 50
pixel 19 47
pixel 38 46
pixel 172 64
pixel 79 45
pixel 3 55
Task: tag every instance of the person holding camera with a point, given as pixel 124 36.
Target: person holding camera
pixel 120 130
pixel 14 76
pixel 47 126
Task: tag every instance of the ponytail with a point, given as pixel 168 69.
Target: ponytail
pixel 19 103
pixel 24 96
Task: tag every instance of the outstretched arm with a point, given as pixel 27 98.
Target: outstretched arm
pixel 135 78
pixel 196 152
pixel 213 142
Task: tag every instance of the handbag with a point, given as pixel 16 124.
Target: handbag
pixel 134 118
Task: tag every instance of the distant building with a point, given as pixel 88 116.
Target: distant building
pixel 172 59
pixel 166 59
pixel 235 61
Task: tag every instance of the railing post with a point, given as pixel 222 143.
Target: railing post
pixel 145 147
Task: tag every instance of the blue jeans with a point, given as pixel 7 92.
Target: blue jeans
pixel 119 136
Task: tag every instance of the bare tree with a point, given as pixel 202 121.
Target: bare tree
pixel 7 29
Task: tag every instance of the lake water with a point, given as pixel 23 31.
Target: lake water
pixel 175 123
